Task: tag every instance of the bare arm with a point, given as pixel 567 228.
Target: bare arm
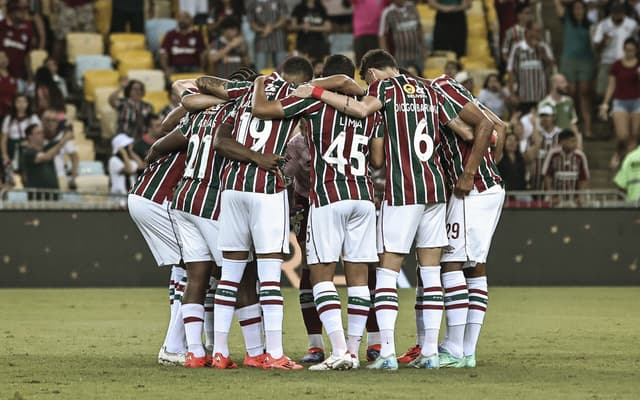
pixel 197 102
pixel 180 86
pixel 213 86
pixel 355 108
pixel 560 10
pixel 164 63
pixel 50 154
pixel 229 148
pixel 500 127
pixel 173 142
pixel 172 119
pixel 75 161
pixel 376 152
pixel 604 107
pixel 281 23
pixel 3 147
pixel 340 83
pixel 532 151
pixel 114 98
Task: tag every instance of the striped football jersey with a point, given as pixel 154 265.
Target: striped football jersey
pixel 339 150
pixel 157 181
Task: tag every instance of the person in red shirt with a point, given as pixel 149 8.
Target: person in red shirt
pixel 15 40
pixel 8 86
pixel 182 48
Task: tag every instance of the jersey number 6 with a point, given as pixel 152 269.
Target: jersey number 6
pixel 421 136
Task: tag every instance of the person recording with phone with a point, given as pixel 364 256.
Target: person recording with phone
pixel 54 130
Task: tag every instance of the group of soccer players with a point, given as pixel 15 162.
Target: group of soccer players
pixel 214 198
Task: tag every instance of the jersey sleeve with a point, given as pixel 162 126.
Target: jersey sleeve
pixel 238 89
pixel 295 106
pixel 379 126
pixel 447 110
pixel 184 124
pixel 377 90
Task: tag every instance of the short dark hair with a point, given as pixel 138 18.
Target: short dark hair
pixel 244 74
pixel 339 64
pixel 298 65
pixel 30 129
pixel 378 59
pixel 229 22
pixel 127 89
pixel 566 134
pixel 630 40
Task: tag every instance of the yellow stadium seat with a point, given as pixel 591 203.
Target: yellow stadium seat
pixel 119 42
pixel 479 75
pixel 267 71
pixel 98 78
pixel 476 9
pixel 37 58
pixel 189 75
pixel 103 16
pixel 426 12
pixel 153 79
pixel 477 62
pixel 101 100
pixel 432 72
pixel 291 41
pixel 436 62
pixel 93 183
pixel 81 43
pixel 108 121
pixel 134 59
pixel 158 100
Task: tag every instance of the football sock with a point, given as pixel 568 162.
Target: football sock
pixel 386 304
pixel 176 334
pixel 478 301
pixel 359 304
pixel 250 319
pixel 432 303
pixel 272 304
pixel 373 331
pixel 193 316
pixel 208 312
pixel 419 319
pixel 172 313
pixel 330 313
pixel 225 303
pixel 456 305
pixel 309 313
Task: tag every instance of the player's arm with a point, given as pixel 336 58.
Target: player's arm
pixel 213 86
pixel 340 83
pixel 376 152
pixel 355 108
pixel 171 143
pixel 171 121
pixel 183 85
pixel 228 147
pixel 196 102
pixel 500 128
pixel 263 108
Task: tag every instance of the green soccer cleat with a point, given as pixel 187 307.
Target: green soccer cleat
pixel 426 362
pixel 470 361
pixel 389 363
pixel 447 360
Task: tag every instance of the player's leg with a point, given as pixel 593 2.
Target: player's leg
pixel 359 305
pixel 249 315
pixel 176 340
pixel 478 301
pixel 413 352
pixel 208 310
pixel 373 331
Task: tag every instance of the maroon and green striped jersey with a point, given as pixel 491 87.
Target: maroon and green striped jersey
pixel 263 136
pixel 157 181
pixel 199 190
pixel 455 151
pixel 339 150
pixel 413 114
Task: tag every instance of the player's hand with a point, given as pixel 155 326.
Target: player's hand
pixel 269 162
pixel 303 91
pixel 464 185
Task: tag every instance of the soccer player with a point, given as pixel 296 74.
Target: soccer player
pixel 342 218
pixel 415 191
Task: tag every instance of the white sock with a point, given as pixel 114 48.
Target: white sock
pixel 329 309
pixel 456 305
pixel 172 312
pixel 272 304
pixel 315 340
pixel 432 303
pixel 225 303
pixel 373 338
pixel 175 341
pixel 359 303
pixel 419 319
pixel 386 304
pixel 208 312
pixel 478 301
pixel 193 316
pixel 250 319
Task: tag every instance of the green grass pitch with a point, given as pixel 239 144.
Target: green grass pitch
pixel 538 343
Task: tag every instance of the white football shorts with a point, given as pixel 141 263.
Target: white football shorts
pixel 400 226
pixel 199 237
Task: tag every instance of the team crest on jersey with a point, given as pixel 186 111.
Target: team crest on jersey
pixel 409 88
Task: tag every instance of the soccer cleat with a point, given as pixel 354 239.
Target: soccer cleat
pixel 335 363
pixel 447 360
pixel 253 362
pixel 314 355
pixel 283 362
pixel 167 358
pixel 222 362
pixel 355 362
pixel 373 352
pixel 389 363
pixel 470 361
pixel 427 362
pixel 409 355
pixel 192 361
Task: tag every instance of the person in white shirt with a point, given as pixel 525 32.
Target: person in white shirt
pixel 122 167
pixel 54 129
pixel 609 38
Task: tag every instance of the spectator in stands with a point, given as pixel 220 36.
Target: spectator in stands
pixel 609 38
pixel 198 8
pixel 366 25
pixel 577 62
pixel 530 63
pixel 122 167
pixel 37 159
pixel 14 129
pixel 515 34
pixel 506 13
pixel 54 130
pixel 451 68
pixel 565 167
pixel 624 89
pixel 128 11
pixel 562 104
pixel 52 66
pixel 78 16
pixel 16 37
pixel 221 9
pixel 548 132
pixel 400 22
pixel 450 30
pixel 268 19
pixel 311 22
pixel 132 110
pixel 628 177
pixel 47 94
pixel 154 132
pixel 466 80
pixel 492 95
pixel 513 166
pixel 8 86
pixel 228 52
pixel 182 49
pixel 34 20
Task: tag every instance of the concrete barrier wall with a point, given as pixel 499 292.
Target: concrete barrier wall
pixel 531 247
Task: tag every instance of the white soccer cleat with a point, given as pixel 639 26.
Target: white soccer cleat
pixel 334 363
pixel 355 362
pixel 167 358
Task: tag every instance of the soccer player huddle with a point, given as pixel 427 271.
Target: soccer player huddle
pixel 214 200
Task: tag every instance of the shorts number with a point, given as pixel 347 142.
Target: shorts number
pixel 453 230
pixel 259 129
pixel 337 146
pixel 195 151
pixel 422 136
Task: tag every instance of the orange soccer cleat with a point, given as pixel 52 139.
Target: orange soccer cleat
pixel 411 354
pixel 192 361
pixel 255 361
pixel 222 362
pixel 283 362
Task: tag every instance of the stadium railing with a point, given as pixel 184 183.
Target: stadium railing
pixel 591 198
